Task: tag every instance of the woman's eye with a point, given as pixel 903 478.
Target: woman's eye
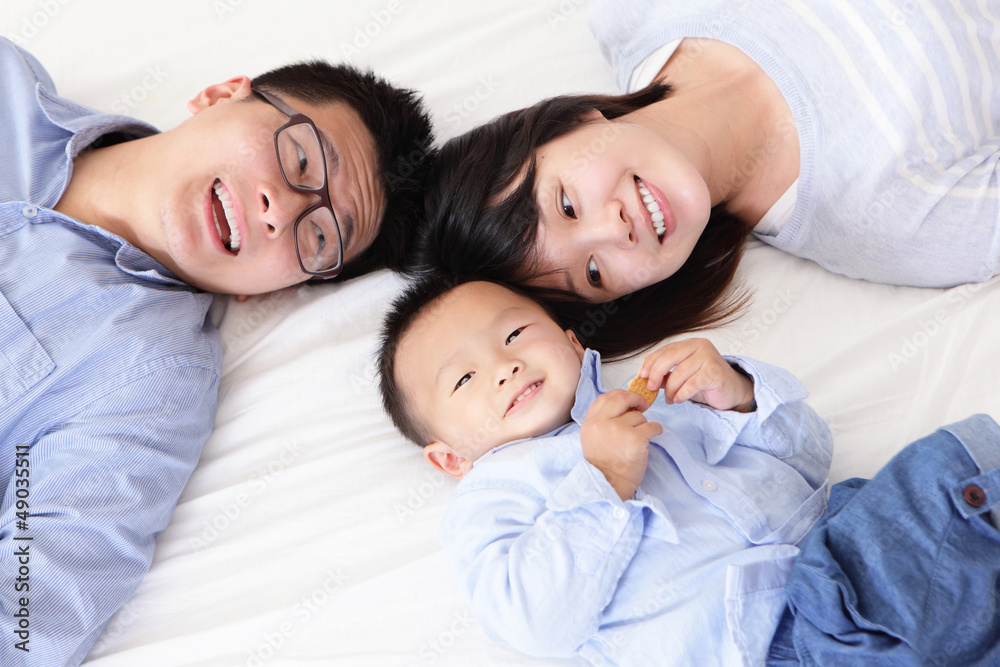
pixel 465 378
pixel 593 273
pixel 567 206
pixel 514 334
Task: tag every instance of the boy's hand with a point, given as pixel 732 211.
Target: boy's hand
pixel 693 370
pixel 615 437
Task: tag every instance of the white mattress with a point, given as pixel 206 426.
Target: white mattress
pixel 308 533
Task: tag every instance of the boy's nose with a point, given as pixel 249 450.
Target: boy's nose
pixel 508 375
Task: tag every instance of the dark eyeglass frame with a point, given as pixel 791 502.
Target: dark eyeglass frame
pixel 297 118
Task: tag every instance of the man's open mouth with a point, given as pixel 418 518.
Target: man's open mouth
pixel 225 218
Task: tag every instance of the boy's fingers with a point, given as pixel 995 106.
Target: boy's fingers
pixel 649 430
pixel 619 401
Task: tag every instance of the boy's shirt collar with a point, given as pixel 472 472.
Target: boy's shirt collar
pixel 589 387
pixel 587 390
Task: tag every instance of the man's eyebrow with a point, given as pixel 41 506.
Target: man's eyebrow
pixel 332 156
pixel 345 222
pixel 346 225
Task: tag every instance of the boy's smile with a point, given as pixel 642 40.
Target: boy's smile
pixel 482 366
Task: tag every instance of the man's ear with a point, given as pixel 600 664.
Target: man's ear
pixel 580 351
pixel 444 458
pixel 238 86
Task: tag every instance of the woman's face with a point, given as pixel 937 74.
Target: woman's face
pixel 620 209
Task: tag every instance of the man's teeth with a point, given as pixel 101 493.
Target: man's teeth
pixel 525 393
pixel 227 206
pixel 654 209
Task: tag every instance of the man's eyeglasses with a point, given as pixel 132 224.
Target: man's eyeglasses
pixel 303 166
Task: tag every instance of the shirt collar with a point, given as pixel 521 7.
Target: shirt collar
pixel 587 390
pixel 589 387
pixel 87 126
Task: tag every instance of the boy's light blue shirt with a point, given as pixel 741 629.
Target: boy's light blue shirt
pixel 690 571
pixel 108 380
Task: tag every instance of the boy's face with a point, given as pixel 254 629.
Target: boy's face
pixel 483 366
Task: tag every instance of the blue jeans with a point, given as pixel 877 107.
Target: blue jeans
pixel 905 567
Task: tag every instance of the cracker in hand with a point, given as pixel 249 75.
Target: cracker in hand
pixel 637 385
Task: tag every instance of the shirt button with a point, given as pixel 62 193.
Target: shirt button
pixel 974 495
pixel 619 513
pixel 29 212
pixel 709 485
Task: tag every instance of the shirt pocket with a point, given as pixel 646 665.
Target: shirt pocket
pixel 23 362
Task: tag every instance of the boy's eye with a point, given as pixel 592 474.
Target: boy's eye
pixel 567 207
pixel 514 334
pixel 593 273
pixel 465 378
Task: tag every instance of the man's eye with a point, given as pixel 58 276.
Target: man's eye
pixel 514 334
pixel 303 160
pixel 567 206
pixel 465 378
pixel 593 273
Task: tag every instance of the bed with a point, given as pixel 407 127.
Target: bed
pixel 307 535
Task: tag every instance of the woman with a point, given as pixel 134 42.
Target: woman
pixel 863 138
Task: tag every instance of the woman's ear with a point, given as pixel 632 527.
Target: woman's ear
pixel 444 458
pixel 593 115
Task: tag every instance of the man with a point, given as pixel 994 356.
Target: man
pixel 109 232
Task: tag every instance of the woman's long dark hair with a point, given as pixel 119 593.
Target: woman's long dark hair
pixel 483 221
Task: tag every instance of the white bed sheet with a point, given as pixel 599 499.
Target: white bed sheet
pixel 307 535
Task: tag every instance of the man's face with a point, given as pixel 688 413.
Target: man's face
pixel 226 152
pixel 483 366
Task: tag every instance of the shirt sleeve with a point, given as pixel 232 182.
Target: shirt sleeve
pixel 77 530
pixel 540 571
pixel 783 425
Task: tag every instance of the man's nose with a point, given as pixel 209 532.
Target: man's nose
pixel 280 207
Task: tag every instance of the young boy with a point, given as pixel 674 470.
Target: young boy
pixel 588 522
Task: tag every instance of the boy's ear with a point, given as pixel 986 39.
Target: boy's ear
pixel 576 343
pixel 237 86
pixel 444 458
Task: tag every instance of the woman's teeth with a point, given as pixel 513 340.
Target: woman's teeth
pixel 654 209
pixel 227 207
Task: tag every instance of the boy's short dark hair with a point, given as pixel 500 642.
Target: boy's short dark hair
pixel 403 135
pixel 405 309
